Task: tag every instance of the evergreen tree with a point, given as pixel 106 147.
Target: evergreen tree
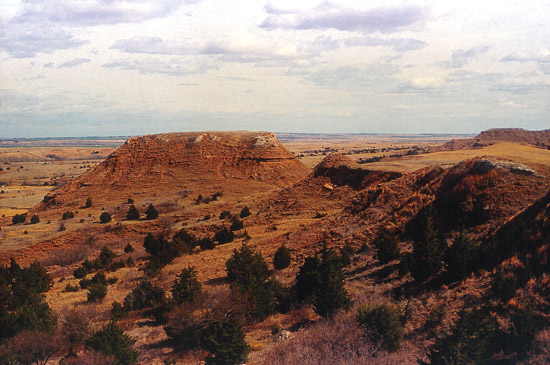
pixel 89 202
pixel 462 257
pixel 133 213
pixel 35 219
pixel 428 247
pixel 330 295
pixel 225 342
pixel 186 288
pixel 245 212
pixel 282 258
pixel 151 212
pixel 387 247
pixel 105 217
pixel 247 270
pixel 307 279
pixel 224 235
pixel 111 341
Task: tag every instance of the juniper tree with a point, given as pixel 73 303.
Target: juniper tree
pixel 428 247
pixel 186 288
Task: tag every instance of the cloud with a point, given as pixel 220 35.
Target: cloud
pixel 224 49
pixel 398 44
pixel 329 16
pixel 421 85
pixel 512 104
pixel 154 66
pixel 24 42
pixel 95 12
pixel 49 65
pixel 74 63
pixel 521 84
pixel 460 58
pixel 153 45
pixel 354 78
pixel 542 59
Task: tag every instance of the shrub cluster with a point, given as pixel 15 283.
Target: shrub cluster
pixel 19 218
pixel 202 200
pixel 382 324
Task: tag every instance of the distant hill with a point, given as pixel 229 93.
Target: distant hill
pixel 489 137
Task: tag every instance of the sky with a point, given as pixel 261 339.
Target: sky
pixel 132 67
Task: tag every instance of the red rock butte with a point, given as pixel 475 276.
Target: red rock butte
pixel 197 161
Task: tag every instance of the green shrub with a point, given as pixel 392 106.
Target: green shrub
pixel 225 343
pixel 224 236
pixel 22 303
pixel 435 318
pixel 185 241
pixel 321 280
pixel 527 322
pixel 462 257
pixel 105 217
pixel 345 254
pixel 382 325
pixel 247 270
pixel 282 258
pixel 71 288
pixel 133 213
pixel 236 224
pixel 207 243
pixel 151 212
pixel 35 219
pixel 111 341
pixel 186 287
pixel 161 250
pixel 330 295
pixel 80 272
pixel 387 247
pixel 245 212
pixel 505 284
pixel 106 256
pixel 145 295
pixel 428 247
pixel 97 291
pixel 225 214
pixel 89 202
pixel 19 218
pixel 472 340
pixel 67 215
pixel 117 311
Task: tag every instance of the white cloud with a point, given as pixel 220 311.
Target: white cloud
pixel 331 16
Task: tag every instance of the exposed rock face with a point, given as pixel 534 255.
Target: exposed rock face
pixel 341 170
pixel 480 193
pixel 489 137
pixel 192 161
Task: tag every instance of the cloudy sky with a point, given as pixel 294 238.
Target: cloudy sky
pixel 128 67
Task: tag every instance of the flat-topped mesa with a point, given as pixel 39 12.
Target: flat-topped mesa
pixel 194 161
pixel 489 137
pixel 517 135
pixel 342 170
